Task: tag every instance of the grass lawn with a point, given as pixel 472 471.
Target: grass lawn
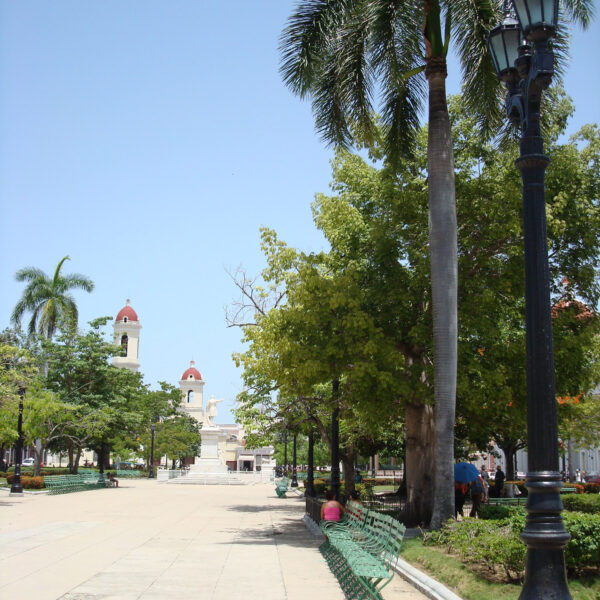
pixel 384 488
pixel 450 571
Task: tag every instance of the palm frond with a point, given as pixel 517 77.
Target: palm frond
pixel 579 11
pixel 77 281
pixel 483 93
pixel 395 45
pixel 59 267
pixel 29 274
pixel 306 39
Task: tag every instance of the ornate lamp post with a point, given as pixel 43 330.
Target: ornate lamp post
pixel 335 444
pixel 294 467
pixel 285 464
pixel 310 477
pixel 16 489
pixel 151 469
pixel 527 68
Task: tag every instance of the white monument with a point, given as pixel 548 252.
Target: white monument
pixel 210 459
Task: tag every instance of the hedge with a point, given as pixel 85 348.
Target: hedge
pixel 586 503
pixel 495 543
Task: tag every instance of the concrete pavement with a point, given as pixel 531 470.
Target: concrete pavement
pixel 150 541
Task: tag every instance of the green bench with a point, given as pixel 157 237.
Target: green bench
pixel 128 473
pixel 568 490
pixel 367 543
pixel 64 484
pixel 514 501
pixel 282 487
pixel 301 476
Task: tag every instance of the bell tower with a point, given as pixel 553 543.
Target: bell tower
pixel 127 335
pixel 191 386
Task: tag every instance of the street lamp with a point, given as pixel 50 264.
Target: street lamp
pixel 285 464
pixel 16 489
pixel 294 467
pixel 335 442
pixel 151 469
pixel 526 67
pixel 310 478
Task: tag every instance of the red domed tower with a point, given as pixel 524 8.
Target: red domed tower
pixel 191 386
pixel 127 335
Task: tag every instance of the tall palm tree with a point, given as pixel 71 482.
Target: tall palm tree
pixel 48 299
pixel 340 53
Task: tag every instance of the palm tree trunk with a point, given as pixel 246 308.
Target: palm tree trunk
pixel 444 278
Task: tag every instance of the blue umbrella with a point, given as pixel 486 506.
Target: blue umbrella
pixel 465 472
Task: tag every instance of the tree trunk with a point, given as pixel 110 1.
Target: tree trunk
pixel 419 466
pixel 38 450
pixel 509 454
pixel 444 278
pixel 348 457
pixel 76 459
pixel 570 458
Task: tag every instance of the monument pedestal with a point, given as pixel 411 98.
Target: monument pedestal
pixel 209 460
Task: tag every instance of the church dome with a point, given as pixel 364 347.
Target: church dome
pixel 191 373
pixel 127 314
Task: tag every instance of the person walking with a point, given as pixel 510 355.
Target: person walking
pixel 476 496
pixel 499 482
pixel 485 477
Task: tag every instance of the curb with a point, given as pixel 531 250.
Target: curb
pixel 426 585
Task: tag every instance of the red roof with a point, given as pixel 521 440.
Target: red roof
pixel 128 312
pixel 191 373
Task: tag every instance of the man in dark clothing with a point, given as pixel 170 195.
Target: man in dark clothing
pixel 476 496
pixel 499 482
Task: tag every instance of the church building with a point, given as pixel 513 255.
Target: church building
pixel 127 335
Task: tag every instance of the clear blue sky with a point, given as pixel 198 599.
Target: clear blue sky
pixel 150 141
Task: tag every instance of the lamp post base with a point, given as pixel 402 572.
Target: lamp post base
pixel 546 538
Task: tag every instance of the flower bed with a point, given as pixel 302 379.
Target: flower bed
pixel 28 483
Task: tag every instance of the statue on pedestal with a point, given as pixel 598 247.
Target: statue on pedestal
pixel 211 412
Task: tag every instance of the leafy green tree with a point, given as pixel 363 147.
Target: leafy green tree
pixel 175 437
pixel 48 299
pixel 45 419
pixel 106 398
pixel 17 369
pixel 340 52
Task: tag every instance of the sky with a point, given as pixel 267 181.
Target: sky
pixel 149 141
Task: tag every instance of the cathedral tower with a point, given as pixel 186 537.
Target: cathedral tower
pixel 191 386
pixel 127 335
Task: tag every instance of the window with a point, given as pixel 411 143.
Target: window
pixel 124 343
pixel 190 397
pixel 124 319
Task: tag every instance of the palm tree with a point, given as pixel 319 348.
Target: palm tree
pixel 340 52
pixel 48 299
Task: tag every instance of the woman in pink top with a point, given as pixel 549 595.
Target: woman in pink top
pixel 331 510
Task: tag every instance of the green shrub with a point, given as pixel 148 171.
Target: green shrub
pixel 586 503
pixel 500 511
pixel 382 481
pixel 496 543
pixel 591 488
pixel 320 486
pixel 584 548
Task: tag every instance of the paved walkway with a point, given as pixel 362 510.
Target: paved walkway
pixel 150 541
